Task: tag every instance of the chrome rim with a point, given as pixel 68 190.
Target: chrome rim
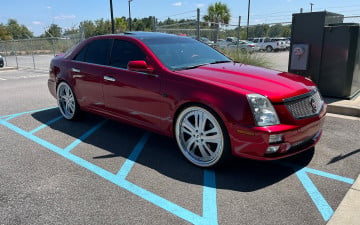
pixel 66 101
pixel 199 136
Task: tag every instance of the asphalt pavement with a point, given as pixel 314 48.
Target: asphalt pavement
pixel 345 213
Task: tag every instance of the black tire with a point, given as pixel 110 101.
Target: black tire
pixel 269 48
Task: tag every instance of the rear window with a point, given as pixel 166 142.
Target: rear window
pixel 96 52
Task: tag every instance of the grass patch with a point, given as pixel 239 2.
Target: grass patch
pixel 254 59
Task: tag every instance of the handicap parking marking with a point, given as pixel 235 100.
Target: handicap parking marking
pixel 320 202
pixel 210 214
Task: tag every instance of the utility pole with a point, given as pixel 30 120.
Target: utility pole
pixel 198 24
pixel 129 15
pixel 311 5
pixel 112 18
pixel 248 18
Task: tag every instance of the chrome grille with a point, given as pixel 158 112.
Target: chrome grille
pixel 306 105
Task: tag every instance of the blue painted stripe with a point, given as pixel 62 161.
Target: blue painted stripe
pixel 329 175
pixel 84 136
pixel 30 136
pixel 209 198
pixel 129 163
pixel 142 193
pixel 12 116
pixel 45 125
pixel 318 172
pixel 324 208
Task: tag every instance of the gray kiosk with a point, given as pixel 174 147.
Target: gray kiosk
pixel 327 50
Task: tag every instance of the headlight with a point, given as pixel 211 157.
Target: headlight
pixel 263 111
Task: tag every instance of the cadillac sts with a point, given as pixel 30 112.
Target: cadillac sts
pixel 212 106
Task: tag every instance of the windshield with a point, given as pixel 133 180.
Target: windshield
pixel 184 53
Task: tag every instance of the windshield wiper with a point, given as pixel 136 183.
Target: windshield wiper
pixel 191 67
pixel 220 61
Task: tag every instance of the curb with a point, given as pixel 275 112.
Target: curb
pixel 348 210
pixel 344 107
pixel 7 68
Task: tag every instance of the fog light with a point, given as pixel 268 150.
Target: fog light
pixel 272 149
pixel 275 138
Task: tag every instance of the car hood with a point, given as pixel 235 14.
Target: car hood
pixel 276 85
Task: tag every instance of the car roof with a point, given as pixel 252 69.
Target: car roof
pixel 141 35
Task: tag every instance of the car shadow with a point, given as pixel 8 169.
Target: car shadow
pixel 160 153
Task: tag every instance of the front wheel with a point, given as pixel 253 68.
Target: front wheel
pixel 67 102
pixel 201 137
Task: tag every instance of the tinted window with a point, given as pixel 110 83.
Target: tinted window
pixel 96 52
pixel 178 53
pixel 123 52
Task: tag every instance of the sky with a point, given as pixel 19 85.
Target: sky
pixel 38 15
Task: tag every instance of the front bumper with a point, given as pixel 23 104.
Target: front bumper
pixel 254 142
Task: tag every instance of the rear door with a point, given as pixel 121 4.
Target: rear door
pixel 87 69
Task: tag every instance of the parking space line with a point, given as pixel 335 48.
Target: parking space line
pixel 210 215
pixel 129 163
pixel 323 206
pixel 45 125
pixel 209 189
pixel 84 136
pixel 32 137
pixel 209 196
pixel 12 116
pixel 320 202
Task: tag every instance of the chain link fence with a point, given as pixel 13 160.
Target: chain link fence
pixel 34 53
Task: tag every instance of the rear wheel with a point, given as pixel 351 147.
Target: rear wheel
pixel 67 102
pixel 269 48
pixel 201 137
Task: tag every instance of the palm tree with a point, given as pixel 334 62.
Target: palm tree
pixel 218 13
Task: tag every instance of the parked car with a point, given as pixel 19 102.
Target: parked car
pixel 249 46
pixel 1 61
pixel 283 39
pixel 207 41
pixel 269 45
pixel 183 88
pixel 246 46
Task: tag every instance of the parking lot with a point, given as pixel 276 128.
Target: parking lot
pixel 98 171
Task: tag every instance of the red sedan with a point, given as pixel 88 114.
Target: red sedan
pixel 180 87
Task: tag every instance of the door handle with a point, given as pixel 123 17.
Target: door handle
pixel 109 78
pixel 75 70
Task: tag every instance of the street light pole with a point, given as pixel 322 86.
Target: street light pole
pixel 311 5
pixel 112 18
pixel 129 15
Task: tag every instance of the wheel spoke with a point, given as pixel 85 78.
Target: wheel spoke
pixel 190 145
pixel 213 139
pixel 187 124
pixel 204 153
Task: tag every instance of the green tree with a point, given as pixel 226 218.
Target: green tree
pixel 286 31
pixel 17 31
pixel 53 31
pixel 217 14
pixel 120 24
pixel 88 27
pixel 4 34
pixel 102 27
pixel 275 30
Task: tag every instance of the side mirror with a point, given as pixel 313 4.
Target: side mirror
pixel 139 66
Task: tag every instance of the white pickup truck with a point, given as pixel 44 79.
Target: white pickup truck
pixel 269 44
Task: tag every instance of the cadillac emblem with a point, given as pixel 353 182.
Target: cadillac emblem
pixel 313 105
